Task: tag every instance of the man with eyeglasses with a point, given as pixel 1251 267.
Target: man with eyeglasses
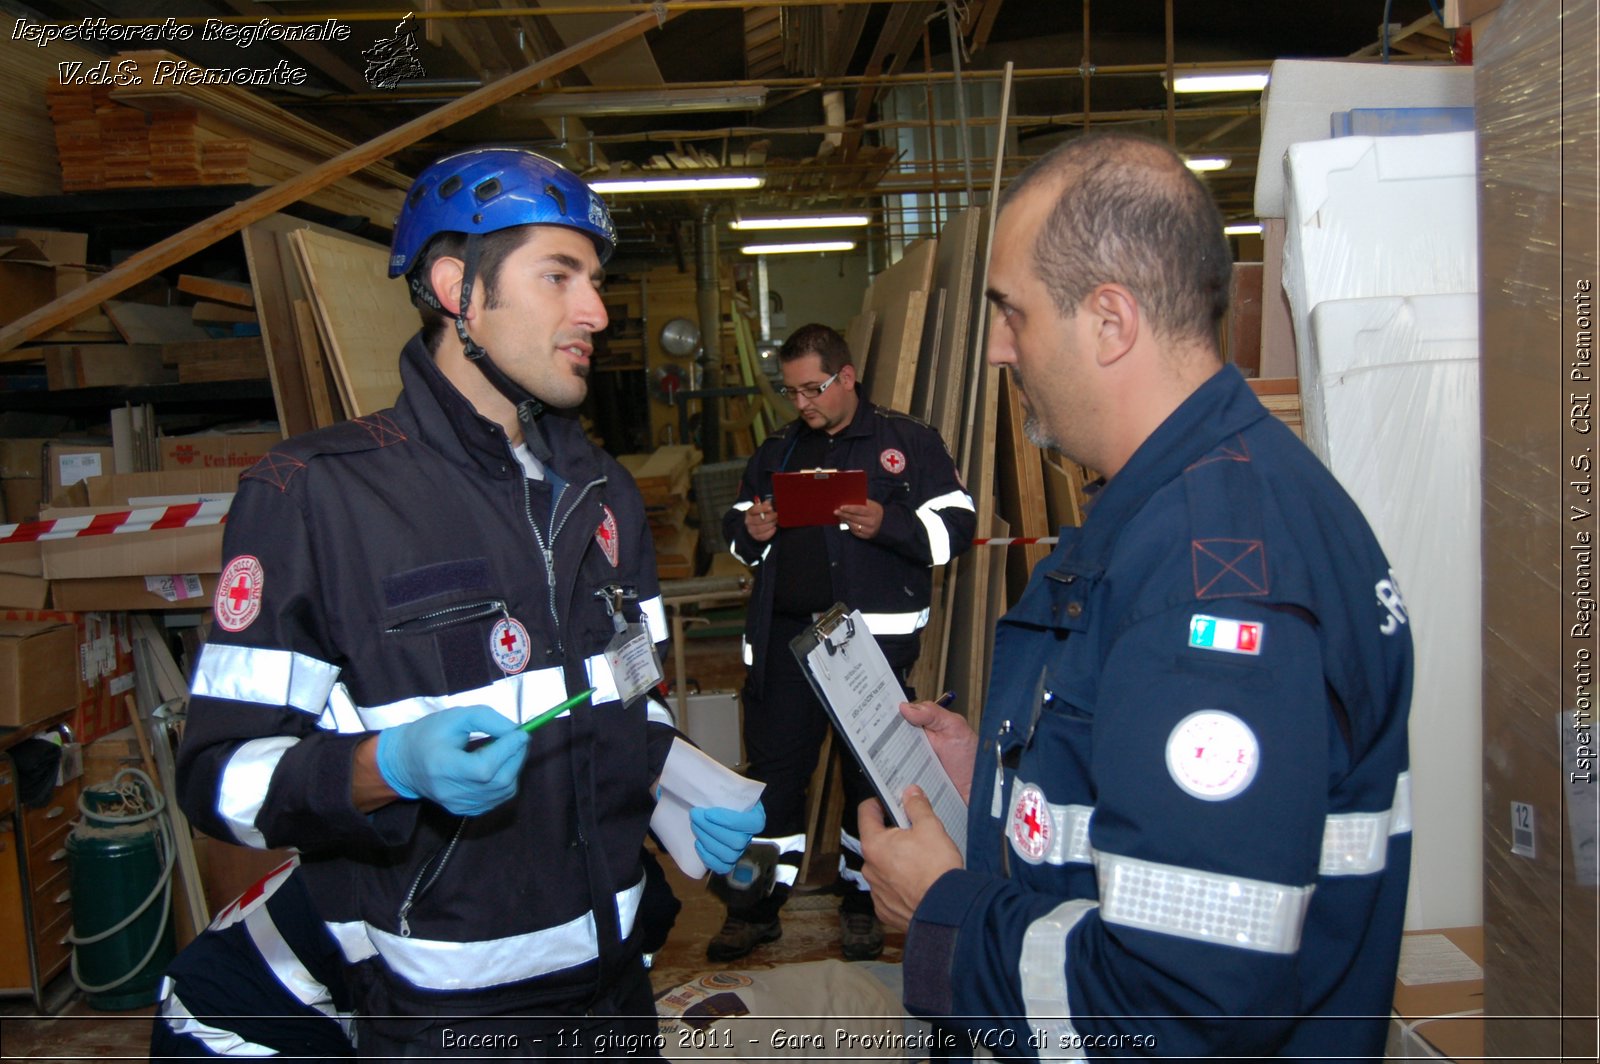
pixel 878 558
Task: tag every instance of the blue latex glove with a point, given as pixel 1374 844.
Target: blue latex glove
pixel 428 758
pixel 721 835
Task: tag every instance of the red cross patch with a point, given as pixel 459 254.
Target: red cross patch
pixel 509 645
pixel 238 599
pixel 893 460
pixel 606 535
pixel 1031 824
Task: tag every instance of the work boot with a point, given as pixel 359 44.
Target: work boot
pixel 861 935
pixel 739 936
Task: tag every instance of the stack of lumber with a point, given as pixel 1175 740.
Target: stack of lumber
pixel 155 134
pixel 1281 397
pixel 664 477
pixel 332 322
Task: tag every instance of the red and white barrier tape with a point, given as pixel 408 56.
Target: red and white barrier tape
pixel 145 519
pixel 1014 541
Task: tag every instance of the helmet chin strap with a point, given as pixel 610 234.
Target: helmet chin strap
pixel 529 408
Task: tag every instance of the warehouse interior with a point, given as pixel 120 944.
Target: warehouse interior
pixel 195 213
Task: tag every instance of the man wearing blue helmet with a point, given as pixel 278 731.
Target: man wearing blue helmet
pixel 399 593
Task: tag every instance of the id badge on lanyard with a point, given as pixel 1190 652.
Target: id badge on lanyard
pixel 635 665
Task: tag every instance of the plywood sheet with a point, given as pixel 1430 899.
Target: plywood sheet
pixel 858 335
pixel 890 297
pixel 941 380
pixel 894 363
pixel 365 316
pixel 1019 487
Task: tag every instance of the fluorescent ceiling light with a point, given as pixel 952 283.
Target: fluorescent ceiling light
pixel 801 221
pixel 1220 81
pixel 723 183
pixel 1207 165
pixel 791 249
pixel 1242 229
pixel 633 102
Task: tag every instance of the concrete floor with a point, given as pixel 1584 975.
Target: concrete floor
pixel 73 1031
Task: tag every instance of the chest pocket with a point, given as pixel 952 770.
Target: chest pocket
pixel 440 623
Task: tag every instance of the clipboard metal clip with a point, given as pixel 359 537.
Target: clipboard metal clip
pixel 835 628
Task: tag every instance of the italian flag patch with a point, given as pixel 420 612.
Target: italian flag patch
pixel 1220 633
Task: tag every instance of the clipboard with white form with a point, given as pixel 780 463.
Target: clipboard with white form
pixel 858 687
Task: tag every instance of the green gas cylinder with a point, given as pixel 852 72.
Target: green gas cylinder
pixel 121 899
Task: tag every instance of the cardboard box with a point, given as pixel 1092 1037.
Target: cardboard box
pixel 66 463
pixel 23 592
pixel 161 552
pixel 1436 986
pixel 237 451
pixel 38 266
pixel 38 666
pixel 184 591
pixel 104 667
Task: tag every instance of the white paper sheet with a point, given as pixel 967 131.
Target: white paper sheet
pixel 693 779
pixel 860 688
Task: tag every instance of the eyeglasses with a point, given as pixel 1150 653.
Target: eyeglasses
pixel 810 391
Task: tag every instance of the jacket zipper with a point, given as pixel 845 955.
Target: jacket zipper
pixel 547 548
pixel 418 887
pixel 430 622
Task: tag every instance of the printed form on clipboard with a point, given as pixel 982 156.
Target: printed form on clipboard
pixel 859 689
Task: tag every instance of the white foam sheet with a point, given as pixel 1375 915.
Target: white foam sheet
pixel 1378 216
pixel 1393 410
pixel 1301 94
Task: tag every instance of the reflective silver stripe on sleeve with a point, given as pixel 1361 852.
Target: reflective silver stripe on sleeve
pixel 286 966
pixel 1357 844
pixel 265 677
pixel 433 964
pixel 244 786
pixel 1402 805
pixel 218 1041
pixel 516 698
pixel 1204 906
pixel 354 941
pixel 1069 835
pixel 746 651
pixel 655 618
pixel 895 623
pixel 933 524
pixel 1043 978
pixel 601 678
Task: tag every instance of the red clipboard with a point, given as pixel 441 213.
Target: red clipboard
pixel 810 497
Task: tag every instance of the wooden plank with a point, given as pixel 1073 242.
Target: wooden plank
pixel 314 367
pixel 858 337
pixel 941 389
pixel 203 234
pixel 277 283
pixel 145 323
pixel 232 292
pixel 365 316
pixel 897 328
pixel 971 625
pixel 222 313
pixel 1020 488
pixel 894 364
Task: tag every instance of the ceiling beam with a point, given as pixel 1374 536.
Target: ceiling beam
pixel 174 249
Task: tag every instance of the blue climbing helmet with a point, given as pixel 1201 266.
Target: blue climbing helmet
pixel 487 189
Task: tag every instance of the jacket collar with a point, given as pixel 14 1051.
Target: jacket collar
pixel 452 425
pixel 1215 412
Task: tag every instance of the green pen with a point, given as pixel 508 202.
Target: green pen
pixel 551 714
